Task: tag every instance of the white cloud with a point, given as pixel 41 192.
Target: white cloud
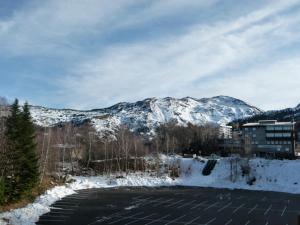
pixel 171 65
pixel 188 63
pixel 272 86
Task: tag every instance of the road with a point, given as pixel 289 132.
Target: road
pixel 174 205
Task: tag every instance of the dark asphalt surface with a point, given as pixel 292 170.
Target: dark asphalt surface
pixel 176 205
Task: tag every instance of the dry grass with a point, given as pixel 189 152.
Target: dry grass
pixel 46 184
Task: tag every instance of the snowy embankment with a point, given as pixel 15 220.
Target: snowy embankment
pixel 271 175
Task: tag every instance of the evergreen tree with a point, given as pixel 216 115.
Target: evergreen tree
pixel 22 170
pixel 30 171
pixel 14 155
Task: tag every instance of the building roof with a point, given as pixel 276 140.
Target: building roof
pixel 268 123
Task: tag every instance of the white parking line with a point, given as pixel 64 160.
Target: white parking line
pixel 138 219
pixel 188 203
pixel 266 212
pixel 158 220
pixel 283 211
pixel 192 220
pixel 196 206
pixel 172 221
pixel 175 203
pixel 224 207
pixel 212 205
pixel 142 200
pixel 234 211
pixel 228 222
pixel 161 203
pixel 210 221
pixel 247 222
pixel 251 210
pixel 152 201
pixel 126 217
pixel 267 223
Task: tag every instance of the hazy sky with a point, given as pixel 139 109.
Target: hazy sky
pixel 94 53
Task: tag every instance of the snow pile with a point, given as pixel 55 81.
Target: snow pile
pixel 147 115
pixel 271 175
pixel 31 213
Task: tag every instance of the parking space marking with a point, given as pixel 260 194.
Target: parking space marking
pixel 251 210
pixel 212 205
pixel 282 213
pixel 191 221
pixel 188 203
pixel 196 206
pixel 266 212
pixel 143 200
pixel 228 222
pixel 234 211
pixel 161 203
pixel 138 219
pixel 152 201
pixel 267 223
pixel 175 203
pixel 210 221
pixel 126 217
pixel 247 222
pixel 224 207
pixel 158 220
pixel 172 221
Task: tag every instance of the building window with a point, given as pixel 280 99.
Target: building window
pixel 254 128
pixel 246 129
pixel 254 135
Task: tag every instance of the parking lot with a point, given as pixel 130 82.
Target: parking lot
pixel 174 205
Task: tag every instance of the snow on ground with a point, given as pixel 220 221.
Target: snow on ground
pixel 271 175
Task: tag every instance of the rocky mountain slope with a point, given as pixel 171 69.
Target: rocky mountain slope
pixel 144 116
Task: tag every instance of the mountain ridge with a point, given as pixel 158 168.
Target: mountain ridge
pixel 146 115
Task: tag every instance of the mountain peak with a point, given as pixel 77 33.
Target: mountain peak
pixel 146 115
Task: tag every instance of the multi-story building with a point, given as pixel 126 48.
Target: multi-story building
pixel 230 141
pixel 225 132
pixel 269 137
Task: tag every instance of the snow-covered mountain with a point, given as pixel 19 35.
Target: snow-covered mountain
pixel 144 116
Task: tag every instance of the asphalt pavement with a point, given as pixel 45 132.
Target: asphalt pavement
pixel 174 205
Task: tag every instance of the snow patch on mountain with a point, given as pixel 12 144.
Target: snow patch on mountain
pixel 144 116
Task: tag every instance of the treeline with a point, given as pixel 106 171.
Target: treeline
pixel 202 140
pixel 71 149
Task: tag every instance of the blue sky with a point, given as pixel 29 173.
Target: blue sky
pixel 94 53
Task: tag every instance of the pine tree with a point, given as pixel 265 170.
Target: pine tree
pixel 22 173
pixel 14 155
pixel 30 172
